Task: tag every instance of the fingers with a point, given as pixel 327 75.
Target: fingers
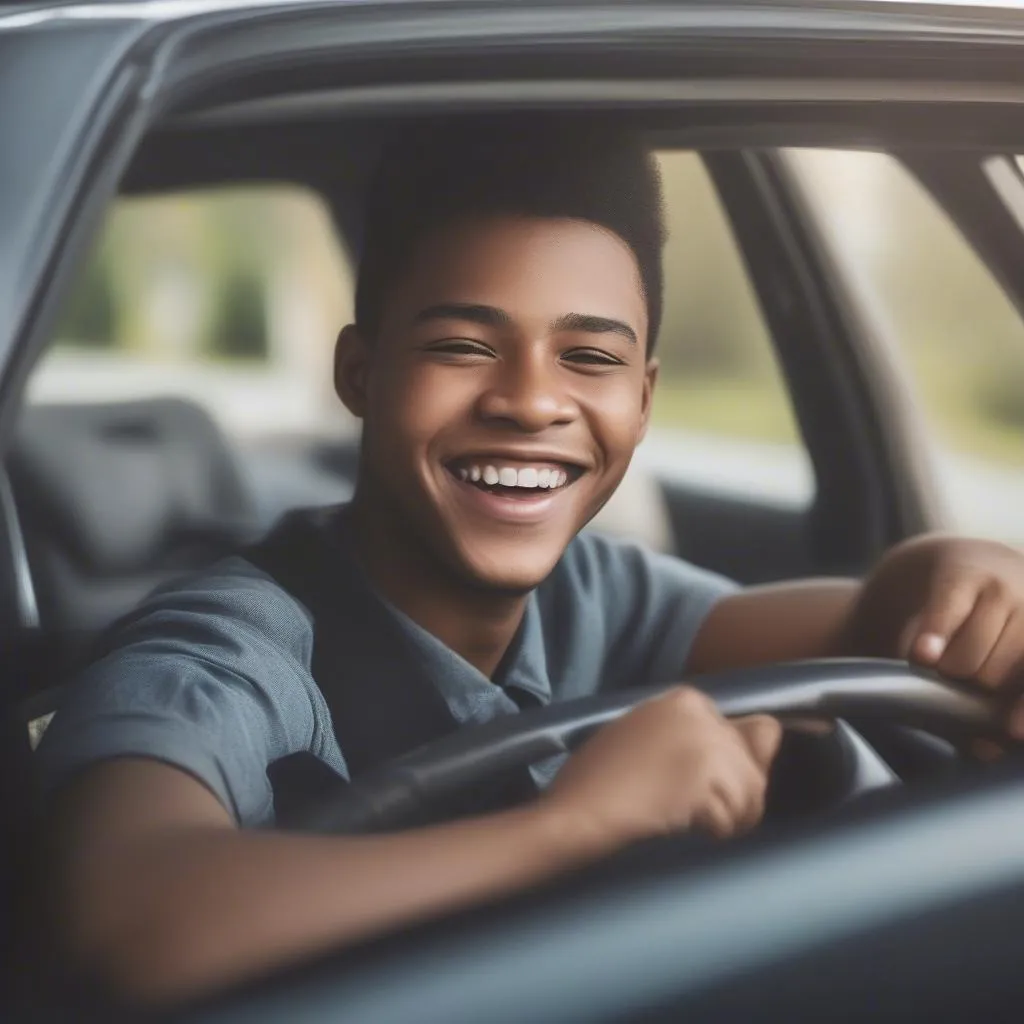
pixel 735 801
pixel 762 735
pixel 972 630
pixel 979 639
pixel 716 816
pixel 927 635
pixel 692 765
pixel 971 647
pixel 1005 661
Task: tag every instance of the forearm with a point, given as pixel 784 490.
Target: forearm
pixel 229 902
pixel 174 912
pixel 780 622
pixel 875 617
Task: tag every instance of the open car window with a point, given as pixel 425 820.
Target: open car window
pixel 954 335
pixel 722 417
pixel 230 297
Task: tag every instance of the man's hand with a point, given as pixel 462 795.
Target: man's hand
pixel 953 605
pixel 672 763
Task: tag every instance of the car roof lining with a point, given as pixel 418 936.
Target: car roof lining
pixel 189 155
pixel 334 155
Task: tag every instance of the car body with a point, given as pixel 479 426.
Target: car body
pixel 872 912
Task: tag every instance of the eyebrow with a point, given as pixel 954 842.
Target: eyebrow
pixel 488 316
pixel 594 325
pixel 492 316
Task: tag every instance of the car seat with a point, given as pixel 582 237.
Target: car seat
pixel 114 499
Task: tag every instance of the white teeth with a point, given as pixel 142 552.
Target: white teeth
pixel 508 476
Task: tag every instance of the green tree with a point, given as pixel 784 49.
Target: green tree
pixel 90 314
pixel 240 324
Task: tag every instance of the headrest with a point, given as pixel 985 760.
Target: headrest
pixel 120 485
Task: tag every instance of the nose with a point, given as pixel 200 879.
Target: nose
pixel 527 393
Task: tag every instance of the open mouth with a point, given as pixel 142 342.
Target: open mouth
pixel 518 480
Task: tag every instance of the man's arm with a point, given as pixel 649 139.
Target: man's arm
pixel 165 896
pixel 953 604
pixel 162 897
pixel 777 622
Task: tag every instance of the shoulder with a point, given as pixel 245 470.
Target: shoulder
pixel 210 674
pixel 226 631
pixel 231 595
pixel 639 609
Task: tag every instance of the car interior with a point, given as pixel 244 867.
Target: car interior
pixel 112 498
pixel 109 499
pixel 101 502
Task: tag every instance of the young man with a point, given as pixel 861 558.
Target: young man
pixel 501 362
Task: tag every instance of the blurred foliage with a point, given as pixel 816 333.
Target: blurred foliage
pixel 183 275
pixel 240 326
pixel 89 319
pixel 932 297
pixel 712 326
pixel 718 368
pixel 1002 397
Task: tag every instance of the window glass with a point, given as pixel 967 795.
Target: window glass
pixel 954 331
pixel 722 415
pixel 231 297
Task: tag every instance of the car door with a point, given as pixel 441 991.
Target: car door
pixel 92 86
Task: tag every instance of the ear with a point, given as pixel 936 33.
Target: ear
pixel 351 370
pixel 650 379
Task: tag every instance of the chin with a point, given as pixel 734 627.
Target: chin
pixel 505 570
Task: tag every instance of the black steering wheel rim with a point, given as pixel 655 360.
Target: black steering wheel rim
pixel 394 795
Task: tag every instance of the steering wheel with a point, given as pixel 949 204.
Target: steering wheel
pixel 399 794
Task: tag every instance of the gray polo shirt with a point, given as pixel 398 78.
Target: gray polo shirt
pixel 212 673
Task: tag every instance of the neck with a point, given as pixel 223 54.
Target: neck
pixel 475 622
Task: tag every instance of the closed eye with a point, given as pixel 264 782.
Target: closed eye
pixel 592 357
pixel 459 347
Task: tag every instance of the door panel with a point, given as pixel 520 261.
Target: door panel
pixel 748 541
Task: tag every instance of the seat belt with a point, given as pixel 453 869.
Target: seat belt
pixel 378 713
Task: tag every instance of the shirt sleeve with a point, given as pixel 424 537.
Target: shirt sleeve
pixel 212 676
pixel 651 607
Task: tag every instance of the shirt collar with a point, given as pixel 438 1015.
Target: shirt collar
pixel 524 665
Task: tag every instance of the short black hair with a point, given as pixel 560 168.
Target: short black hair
pixel 433 174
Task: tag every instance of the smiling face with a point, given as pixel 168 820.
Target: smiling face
pixel 504 395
